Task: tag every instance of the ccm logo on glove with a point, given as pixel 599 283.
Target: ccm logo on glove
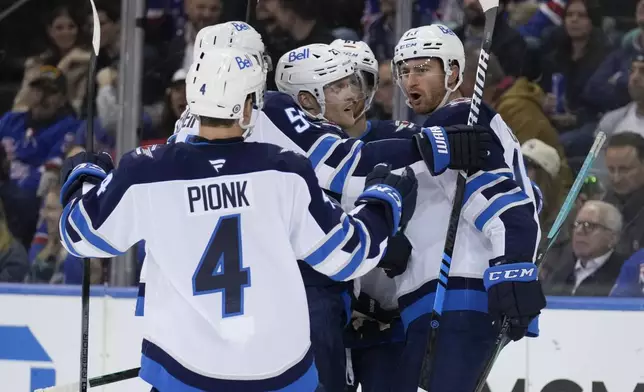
pixel 511 274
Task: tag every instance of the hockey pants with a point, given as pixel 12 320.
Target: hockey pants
pixel 328 316
pixel 465 340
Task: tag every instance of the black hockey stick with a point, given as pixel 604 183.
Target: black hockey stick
pixel 502 338
pixel 96 381
pixel 89 147
pixel 490 7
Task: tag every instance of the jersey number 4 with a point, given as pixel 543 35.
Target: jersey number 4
pixel 220 269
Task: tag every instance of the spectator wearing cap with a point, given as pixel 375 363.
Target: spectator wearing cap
pixel 38 139
pixel 65 52
pixel 576 50
pixel 544 166
pixel 607 89
pixel 624 158
pixel 590 264
pixel 519 102
pixel 629 118
pixel 174 105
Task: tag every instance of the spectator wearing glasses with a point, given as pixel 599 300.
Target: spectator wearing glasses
pixel 590 265
pixel 625 163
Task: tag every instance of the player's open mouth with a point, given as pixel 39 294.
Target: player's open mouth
pixel 414 97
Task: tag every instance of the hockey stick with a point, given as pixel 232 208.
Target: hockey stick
pixel 89 147
pixel 490 7
pixel 502 339
pixel 96 381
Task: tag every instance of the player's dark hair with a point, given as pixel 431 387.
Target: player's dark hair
pixel 217 122
pixel 628 139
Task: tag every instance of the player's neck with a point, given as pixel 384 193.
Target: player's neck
pixel 217 133
pixel 359 128
pixel 455 95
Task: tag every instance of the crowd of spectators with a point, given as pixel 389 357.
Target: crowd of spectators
pixel 560 71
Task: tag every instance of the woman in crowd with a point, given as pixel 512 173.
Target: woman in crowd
pixel 65 53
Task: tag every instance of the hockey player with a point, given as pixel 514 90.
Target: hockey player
pixel 225 302
pixel 499 204
pixel 375 338
pixel 341 164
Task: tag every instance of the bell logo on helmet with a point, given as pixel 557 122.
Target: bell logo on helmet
pixel 295 56
pixel 446 30
pixel 241 26
pixel 243 63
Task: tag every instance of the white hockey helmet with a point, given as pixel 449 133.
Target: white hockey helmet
pixel 365 62
pixel 309 69
pixel 220 81
pixel 437 41
pixel 238 35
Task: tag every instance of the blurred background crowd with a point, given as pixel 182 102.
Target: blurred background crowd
pixel 561 71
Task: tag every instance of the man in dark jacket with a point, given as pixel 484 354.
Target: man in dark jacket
pixel 591 265
pixel 625 163
pixel 507 44
pixel 607 89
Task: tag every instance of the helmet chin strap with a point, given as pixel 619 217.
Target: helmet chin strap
pixel 248 128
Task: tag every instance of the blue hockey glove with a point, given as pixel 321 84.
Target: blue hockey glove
pixel 396 258
pixel 514 292
pixel 83 168
pixel 397 193
pixel 458 147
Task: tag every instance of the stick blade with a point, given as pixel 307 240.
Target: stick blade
pixel 96 34
pixel 488 4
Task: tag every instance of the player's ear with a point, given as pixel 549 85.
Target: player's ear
pixel 248 109
pixel 308 102
pixel 453 78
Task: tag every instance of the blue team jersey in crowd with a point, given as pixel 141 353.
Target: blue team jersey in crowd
pixel 31 147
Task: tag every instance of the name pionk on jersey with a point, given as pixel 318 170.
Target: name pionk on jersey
pixel 219 196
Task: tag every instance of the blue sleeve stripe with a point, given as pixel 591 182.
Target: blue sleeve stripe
pixel 330 245
pixel 358 256
pixel 483 181
pixel 323 146
pixel 337 184
pixel 498 206
pixel 62 227
pixel 92 238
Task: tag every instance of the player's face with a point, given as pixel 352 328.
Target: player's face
pixel 423 82
pixel 342 99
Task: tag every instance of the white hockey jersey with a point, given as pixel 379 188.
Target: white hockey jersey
pixel 224 223
pixel 499 218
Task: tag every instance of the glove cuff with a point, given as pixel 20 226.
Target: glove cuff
pixel 438 141
pixel 71 182
pixel 387 194
pixel 512 272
